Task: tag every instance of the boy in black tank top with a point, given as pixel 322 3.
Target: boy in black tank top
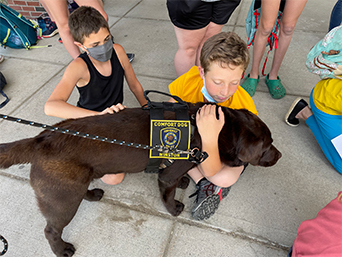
pixel 98 74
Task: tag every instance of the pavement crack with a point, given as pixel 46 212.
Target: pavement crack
pixel 182 220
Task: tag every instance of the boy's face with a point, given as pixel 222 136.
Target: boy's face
pixel 221 82
pixel 95 39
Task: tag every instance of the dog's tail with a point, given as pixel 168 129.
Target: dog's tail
pixel 18 152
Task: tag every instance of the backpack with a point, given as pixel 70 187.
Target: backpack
pixel 2 85
pixel 15 30
pixel 252 22
pixel 320 61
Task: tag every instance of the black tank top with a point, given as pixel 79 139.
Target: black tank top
pixel 101 91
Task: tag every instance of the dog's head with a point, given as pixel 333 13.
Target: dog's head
pixel 250 136
pixel 245 138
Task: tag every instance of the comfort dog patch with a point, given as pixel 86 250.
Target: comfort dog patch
pixel 170 134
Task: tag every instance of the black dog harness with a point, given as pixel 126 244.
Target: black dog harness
pixel 170 134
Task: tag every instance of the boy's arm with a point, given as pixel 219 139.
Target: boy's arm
pixel 57 105
pixel 209 129
pixel 132 81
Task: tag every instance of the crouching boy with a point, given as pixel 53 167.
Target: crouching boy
pixel 224 58
pixel 98 74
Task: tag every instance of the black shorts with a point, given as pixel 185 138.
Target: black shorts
pixel 257 5
pixel 196 14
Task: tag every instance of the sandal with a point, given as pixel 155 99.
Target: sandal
pixel 275 87
pixel 250 85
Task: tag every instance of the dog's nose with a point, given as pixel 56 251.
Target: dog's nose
pixel 279 155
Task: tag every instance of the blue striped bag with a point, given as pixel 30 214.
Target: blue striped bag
pixel 15 30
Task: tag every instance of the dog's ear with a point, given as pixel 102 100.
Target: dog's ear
pixel 250 150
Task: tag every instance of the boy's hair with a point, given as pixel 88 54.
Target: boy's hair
pixel 224 48
pixel 84 21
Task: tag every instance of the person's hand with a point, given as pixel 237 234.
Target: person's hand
pixel 113 109
pixel 209 127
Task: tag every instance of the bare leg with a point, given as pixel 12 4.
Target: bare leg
pixel 267 20
pixel 226 177
pixel 304 113
pixel 188 44
pixel 113 179
pixel 97 4
pixel 59 13
pixel 292 11
pixel 212 29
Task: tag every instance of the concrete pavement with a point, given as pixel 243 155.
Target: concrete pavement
pixel 264 208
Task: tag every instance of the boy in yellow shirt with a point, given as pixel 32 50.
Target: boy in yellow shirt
pixel 224 58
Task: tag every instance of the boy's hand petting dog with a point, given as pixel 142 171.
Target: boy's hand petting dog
pixel 113 109
pixel 209 127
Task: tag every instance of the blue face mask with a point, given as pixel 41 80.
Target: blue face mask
pixel 206 94
pixel 103 52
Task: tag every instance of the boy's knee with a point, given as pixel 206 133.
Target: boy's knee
pixel 113 179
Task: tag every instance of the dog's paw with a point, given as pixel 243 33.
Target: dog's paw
pixel 69 250
pixel 178 210
pixel 94 195
pixel 183 183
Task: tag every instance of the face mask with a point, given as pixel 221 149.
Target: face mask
pixel 103 52
pixel 206 94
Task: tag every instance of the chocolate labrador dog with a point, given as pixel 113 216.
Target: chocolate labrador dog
pixel 62 166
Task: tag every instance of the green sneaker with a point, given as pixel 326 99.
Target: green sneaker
pixel 275 87
pixel 250 85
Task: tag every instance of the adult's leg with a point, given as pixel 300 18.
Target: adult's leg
pixel 188 44
pixel 97 4
pixel 220 13
pixel 325 127
pixel 59 13
pixel 269 13
pixel 211 30
pixel 292 11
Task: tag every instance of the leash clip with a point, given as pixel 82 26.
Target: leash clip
pixel 196 156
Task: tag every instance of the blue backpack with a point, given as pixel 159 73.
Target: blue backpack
pixel 252 22
pixel 15 30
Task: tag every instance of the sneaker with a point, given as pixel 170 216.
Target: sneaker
pixel 2 58
pixel 208 197
pixel 51 29
pixel 60 40
pixel 130 57
pixel 290 117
